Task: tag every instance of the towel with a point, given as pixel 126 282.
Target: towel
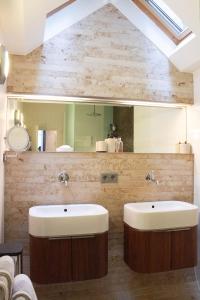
pixel 6 277
pixel 64 148
pixel 4 291
pixel 23 288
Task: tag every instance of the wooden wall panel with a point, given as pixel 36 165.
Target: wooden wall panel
pixel 33 181
pixel 103 55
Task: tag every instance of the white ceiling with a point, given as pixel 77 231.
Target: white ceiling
pixel 24 26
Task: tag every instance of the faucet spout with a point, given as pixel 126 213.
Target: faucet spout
pixel 151 177
pixel 63 177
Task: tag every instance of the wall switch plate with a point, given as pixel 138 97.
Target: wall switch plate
pixel 109 178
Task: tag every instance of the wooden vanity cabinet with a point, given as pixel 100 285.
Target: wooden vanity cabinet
pixel 54 260
pixel 50 260
pixel 89 257
pixel 157 251
pixel 184 248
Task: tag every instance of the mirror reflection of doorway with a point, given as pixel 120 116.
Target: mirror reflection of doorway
pixel 47 140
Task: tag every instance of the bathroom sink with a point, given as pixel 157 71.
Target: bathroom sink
pixel 67 220
pixel 160 215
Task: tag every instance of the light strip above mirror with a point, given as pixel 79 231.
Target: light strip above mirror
pixel 92 100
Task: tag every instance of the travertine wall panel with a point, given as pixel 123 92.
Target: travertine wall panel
pixel 33 181
pixel 104 55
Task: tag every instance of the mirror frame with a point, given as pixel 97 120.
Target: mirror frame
pixel 93 100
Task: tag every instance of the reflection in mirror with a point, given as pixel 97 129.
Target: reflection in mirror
pixel 67 127
pixel 46 140
pixel 17 139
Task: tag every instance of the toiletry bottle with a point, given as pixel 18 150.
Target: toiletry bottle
pixel 120 145
pixel 178 147
pixel 111 144
pixel 117 143
pixel 185 148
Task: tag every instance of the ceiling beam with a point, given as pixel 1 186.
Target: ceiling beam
pixel 55 10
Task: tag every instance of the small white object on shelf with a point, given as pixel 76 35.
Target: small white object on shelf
pixel 111 142
pixel 101 146
pixel 65 148
pixel 185 148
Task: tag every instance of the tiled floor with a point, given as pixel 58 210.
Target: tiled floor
pixel 123 284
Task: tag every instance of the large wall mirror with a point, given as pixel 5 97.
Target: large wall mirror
pixel 77 126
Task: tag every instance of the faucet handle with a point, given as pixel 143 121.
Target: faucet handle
pixel 63 177
pixel 148 177
pixel 151 177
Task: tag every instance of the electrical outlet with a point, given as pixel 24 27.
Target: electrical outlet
pixel 109 178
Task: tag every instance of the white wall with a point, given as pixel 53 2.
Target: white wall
pixel 70 15
pixel 139 19
pixel 188 11
pixel 2 134
pixel 158 130
pixel 194 135
pixel 24 22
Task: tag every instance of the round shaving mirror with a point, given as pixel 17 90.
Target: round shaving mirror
pixel 18 139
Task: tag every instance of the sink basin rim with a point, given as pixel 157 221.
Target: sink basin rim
pixel 164 215
pixel 172 206
pixel 35 211
pixel 64 224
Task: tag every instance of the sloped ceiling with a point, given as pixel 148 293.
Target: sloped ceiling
pixel 28 25
pixel 103 55
pixel 23 22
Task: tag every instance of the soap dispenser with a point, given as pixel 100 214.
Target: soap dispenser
pixel 119 145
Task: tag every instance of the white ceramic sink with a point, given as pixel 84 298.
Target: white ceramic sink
pixel 67 220
pixel 160 215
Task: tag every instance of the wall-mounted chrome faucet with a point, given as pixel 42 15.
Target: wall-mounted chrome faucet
pixel 151 177
pixel 63 177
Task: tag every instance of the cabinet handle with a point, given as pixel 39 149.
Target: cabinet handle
pixel 71 237
pixel 83 236
pixel 171 230
pixel 59 238
pixel 180 229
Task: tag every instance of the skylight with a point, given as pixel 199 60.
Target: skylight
pixel 168 16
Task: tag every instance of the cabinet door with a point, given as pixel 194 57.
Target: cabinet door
pixel 50 260
pixel 159 251
pixel 184 248
pixel 89 257
pixel 59 260
pixel 147 251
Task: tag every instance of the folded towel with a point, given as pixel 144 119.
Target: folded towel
pixel 4 291
pixel 7 264
pixel 64 148
pixel 23 288
pixel 21 296
pixel 6 276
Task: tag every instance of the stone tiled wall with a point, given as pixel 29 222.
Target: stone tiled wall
pixel 33 181
pixel 103 55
